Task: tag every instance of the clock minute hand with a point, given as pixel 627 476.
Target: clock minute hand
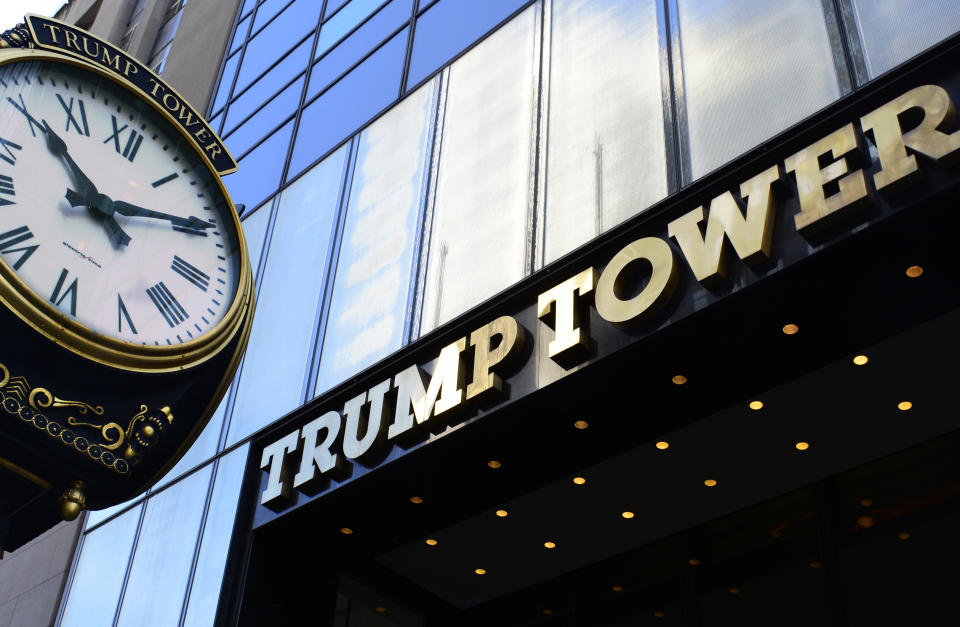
pixel 127 209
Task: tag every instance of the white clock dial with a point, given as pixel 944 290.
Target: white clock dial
pixel 106 212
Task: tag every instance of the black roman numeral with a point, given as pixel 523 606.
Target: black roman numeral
pixel 57 297
pixel 68 109
pixel 190 273
pixel 22 108
pixel 132 145
pixel 6 187
pixel 14 237
pixel 172 311
pixel 7 145
pixel 123 314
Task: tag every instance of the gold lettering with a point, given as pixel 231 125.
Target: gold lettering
pixel 156 86
pixel 106 60
pixel 202 134
pixel 485 357
pixel 751 236
pixel 815 206
pixel 127 66
pixel 614 282
pixel 927 137
pixel 86 48
pixel 571 340
pixel 71 39
pixel 186 116
pixel 213 149
pixel 167 98
pixel 443 393
pixel 53 31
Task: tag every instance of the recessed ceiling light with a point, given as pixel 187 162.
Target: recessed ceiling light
pixel 416 499
pixel 581 424
pixel 866 502
pixel 380 609
pixel 346 531
pixel 866 522
pixel 904 405
pixel 502 513
pixel 904 535
pixel 550 545
pixel 627 515
pixel 480 571
pixel 431 542
pixel 802 446
pixel 693 561
pixel 710 482
pixel 659 614
pixel 616 588
pixel 860 360
pixel 914 271
pixel 734 590
pixel 755 405
pixel 579 480
pixel 815 564
pixel 663 445
pixel 679 379
pixel 790 329
pixel 547 611
pixel 493 464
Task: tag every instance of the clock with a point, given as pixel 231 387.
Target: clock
pixel 126 293
pixel 117 239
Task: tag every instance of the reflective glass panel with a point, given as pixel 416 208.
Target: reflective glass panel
pixel 271 382
pixel 240 34
pixel 368 309
pixel 479 238
pixel 449 27
pixel 205 593
pixel 99 573
pixel 247 6
pixel 332 6
pixel 270 43
pixel 343 22
pixel 95 517
pixel 605 150
pixel 215 122
pixel 165 548
pixel 271 82
pixel 266 160
pixel 354 99
pixel 223 90
pixel 892 31
pixel 266 119
pixel 254 230
pixel 358 44
pixel 203 447
pixel 751 68
pixel 267 10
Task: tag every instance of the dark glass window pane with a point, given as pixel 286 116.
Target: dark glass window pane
pixel 280 343
pixel 289 27
pixel 892 31
pixel 368 307
pixel 240 35
pixel 340 24
pixel 451 26
pixel 268 85
pixel 259 174
pixel 266 119
pixel 375 30
pixel 266 11
pixel 354 99
pixel 229 68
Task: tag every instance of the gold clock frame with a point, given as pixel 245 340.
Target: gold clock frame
pixel 85 342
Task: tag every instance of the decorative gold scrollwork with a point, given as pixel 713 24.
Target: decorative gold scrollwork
pixel 112 443
pixel 16 37
pixel 41 398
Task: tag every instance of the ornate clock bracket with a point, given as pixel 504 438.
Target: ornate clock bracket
pixel 16 37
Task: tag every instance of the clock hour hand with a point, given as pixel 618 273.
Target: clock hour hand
pixel 58 147
pixel 127 209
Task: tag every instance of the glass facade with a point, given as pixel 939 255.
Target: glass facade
pixel 402 161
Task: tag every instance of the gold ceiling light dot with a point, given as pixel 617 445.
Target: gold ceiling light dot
pixel 580 424
pixel 380 609
pixel 502 513
pixel 710 482
pixel 815 564
pixel 416 500
pixel 616 588
pixel 802 446
pixel 679 379
pixel 914 271
pixel 493 464
pixel 480 571
pixel 866 522
pixel 860 360
pixel 547 611
pixel 550 545
pixel 790 329
pixel 904 405
pixel 628 515
pixel 431 542
pixel 755 405
pixel 579 480
pixel 346 531
pixel 866 502
pixel 734 590
pixel 659 614
pixel 904 535
pixel 693 561
pixel 663 445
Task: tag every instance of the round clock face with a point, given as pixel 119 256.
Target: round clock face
pixel 107 213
